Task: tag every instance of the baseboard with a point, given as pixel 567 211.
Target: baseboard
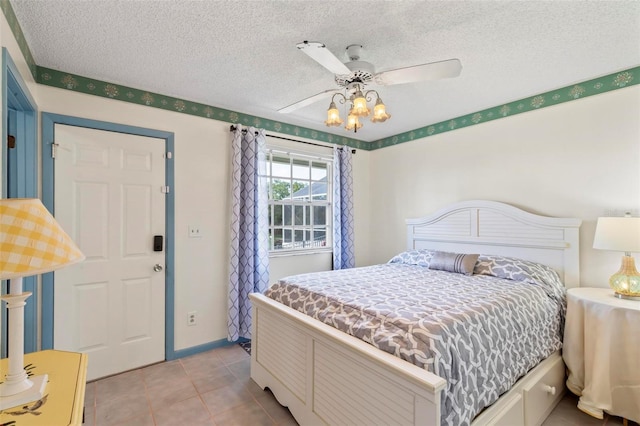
pixel 181 353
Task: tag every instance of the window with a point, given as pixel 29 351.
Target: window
pixel 299 201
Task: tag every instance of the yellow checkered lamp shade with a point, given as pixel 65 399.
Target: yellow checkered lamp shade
pixel 31 241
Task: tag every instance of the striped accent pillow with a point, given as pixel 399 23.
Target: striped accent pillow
pixel 453 262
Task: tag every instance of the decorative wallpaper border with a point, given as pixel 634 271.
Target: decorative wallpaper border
pixel 7 9
pixel 90 86
pixel 587 88
pixel 104 89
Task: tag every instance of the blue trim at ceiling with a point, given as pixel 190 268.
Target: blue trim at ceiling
pixel 49 121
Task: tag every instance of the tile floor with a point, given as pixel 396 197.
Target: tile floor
pixel 566 413
pixel 215 388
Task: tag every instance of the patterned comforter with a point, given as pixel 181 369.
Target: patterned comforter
pixel 481 333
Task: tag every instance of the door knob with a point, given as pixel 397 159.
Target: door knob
pixel 157 267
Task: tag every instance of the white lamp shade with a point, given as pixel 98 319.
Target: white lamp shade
pixel 618 234
pixel 31 241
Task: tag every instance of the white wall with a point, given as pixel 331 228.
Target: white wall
pixel 202 198
pixel 575 159
pixel 201 164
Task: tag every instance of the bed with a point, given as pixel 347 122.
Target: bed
pixel 326 376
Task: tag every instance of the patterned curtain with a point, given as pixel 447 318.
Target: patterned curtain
pixel 249 262
pixel 343 250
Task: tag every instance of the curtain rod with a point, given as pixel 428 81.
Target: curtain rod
pixel 233 128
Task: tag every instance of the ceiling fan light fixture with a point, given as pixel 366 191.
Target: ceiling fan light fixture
pixel 380 114
pixel 333 116
pixel 353 77
pixel 353 123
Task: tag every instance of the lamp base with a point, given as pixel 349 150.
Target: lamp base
pixel 626 282
pixel 626 296
pixel 34 393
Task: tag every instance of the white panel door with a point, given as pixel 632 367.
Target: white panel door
pixel 108 197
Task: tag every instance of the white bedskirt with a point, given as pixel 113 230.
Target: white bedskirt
pixel 602 352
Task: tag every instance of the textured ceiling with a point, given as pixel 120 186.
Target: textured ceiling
pixel 241 55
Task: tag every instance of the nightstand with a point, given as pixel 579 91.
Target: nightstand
pixel 602 352
pixel 63 402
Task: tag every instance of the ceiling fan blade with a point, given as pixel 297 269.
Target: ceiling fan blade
pixel 307 101
pixel 431 71
pixel 319 53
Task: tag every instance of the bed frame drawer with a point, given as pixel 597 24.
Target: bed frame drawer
pixel 529 401
pixel 510 414
pixel 543 393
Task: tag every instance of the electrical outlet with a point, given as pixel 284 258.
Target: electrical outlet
pixel 621 212
pixel 195 231
pixel 191 318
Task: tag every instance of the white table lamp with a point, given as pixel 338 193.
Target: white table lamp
pixel 31 243
pixel 621 234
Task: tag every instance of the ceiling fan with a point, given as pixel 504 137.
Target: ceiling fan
pixel 355 74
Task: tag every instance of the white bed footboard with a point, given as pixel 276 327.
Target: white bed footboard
pixel 325 376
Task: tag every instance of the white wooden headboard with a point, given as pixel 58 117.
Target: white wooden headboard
pixel 490 227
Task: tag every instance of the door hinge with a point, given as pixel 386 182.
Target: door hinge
pixel 168 155
pixel 53 149
pixel 11 141
pixel 164 189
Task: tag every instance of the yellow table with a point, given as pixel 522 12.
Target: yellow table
pixel 63 402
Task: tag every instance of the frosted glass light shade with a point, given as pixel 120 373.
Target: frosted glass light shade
pixel 379 112
pixel 353 123
pixel 359 108
pixel 333 116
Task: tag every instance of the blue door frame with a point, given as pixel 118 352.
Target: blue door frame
pixel 49 121
pixel 19 180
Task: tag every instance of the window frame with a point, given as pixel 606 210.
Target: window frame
pixel 306 202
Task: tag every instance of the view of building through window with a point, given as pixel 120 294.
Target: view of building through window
pixel 299 201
